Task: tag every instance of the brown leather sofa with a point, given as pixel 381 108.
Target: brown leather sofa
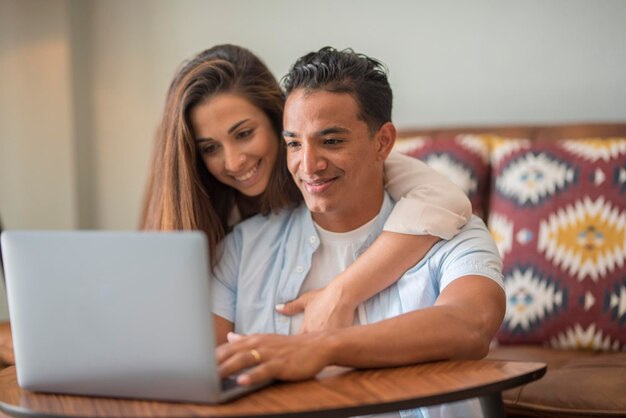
pixel 6 342
pixel 6 346
pixel 579 382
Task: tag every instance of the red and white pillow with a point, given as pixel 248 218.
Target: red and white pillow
pixel 558 215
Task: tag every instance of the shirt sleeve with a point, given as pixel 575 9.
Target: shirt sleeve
pixel 426 202
pixel 224 280
pixel 472 252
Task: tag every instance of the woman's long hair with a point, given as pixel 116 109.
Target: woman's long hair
pixel 181 193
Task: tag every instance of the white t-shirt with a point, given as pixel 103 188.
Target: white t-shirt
pixel 334 254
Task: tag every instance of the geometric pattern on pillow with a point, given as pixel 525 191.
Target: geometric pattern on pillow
pixel 463 159
pixel 558 215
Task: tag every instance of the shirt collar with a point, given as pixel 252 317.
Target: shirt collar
pixel 305 217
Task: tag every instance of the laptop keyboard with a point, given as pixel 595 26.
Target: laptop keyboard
pixel 229 383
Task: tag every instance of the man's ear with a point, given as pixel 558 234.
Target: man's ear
pixel 386 138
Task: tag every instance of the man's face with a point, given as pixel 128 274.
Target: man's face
pixel 334 160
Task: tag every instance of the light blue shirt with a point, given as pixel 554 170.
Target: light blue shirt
pixel 266 258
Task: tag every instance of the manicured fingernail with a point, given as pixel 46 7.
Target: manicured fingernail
pixel 280 306
pixel 231 336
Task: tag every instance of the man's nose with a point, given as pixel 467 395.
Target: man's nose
pixel 312 160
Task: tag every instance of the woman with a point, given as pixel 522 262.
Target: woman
pixel 220 158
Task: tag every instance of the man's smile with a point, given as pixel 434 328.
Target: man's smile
pixel 318 186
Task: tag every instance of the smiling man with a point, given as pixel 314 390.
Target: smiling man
pixel 338 132
pixel 336 162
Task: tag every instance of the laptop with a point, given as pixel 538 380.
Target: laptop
pixel 116 314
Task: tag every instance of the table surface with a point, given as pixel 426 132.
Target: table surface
pixel 334 393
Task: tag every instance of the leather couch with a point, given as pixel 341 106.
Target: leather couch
pixel 583 379
pixel 6 346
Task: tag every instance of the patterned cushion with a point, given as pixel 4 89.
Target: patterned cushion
pixel 558 215
pixel 464 159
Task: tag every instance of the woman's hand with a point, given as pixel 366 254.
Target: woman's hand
pixel 324 309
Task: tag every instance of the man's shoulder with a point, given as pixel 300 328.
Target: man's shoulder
pixel 475 228
pixel 474 239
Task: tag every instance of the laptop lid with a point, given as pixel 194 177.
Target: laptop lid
pixel 122 314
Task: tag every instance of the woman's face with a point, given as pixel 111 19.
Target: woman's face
pixel 236 141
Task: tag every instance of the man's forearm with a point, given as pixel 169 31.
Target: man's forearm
pixel 460 326
pixel 444 331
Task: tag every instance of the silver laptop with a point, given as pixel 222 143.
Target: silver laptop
pixel 120 314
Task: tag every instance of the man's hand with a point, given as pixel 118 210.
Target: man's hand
pixel 271 356
pixel 324 309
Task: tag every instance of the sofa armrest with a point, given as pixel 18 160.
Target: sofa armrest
pixel 577 384
pixel 6 346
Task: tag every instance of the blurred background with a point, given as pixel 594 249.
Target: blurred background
pixel 82 83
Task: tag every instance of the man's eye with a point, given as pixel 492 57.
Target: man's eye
pixel 292 144
pixel 333 141
pixel 244 134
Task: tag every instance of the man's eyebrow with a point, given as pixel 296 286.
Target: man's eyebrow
pixel 333 130
pixel 323 132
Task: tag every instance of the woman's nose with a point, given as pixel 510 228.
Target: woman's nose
pixel 233 159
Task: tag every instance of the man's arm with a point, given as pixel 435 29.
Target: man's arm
pixel 460 325
pixel 222 328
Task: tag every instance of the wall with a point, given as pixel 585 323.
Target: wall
pixel 82 83
pixel 37 156
pixel 37 187
pixel 450 63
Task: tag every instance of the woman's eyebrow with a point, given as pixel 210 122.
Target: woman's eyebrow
pixel 230 130
pixel 237 125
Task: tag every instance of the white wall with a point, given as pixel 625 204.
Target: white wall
pixel 451 62
pixel 82 83
pixel 37 187
pixel 37 157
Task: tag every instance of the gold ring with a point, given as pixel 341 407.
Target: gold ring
pixel 256 355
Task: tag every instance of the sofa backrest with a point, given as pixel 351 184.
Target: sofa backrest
pixel 554 198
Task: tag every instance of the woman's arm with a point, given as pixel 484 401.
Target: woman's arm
pixel 428 207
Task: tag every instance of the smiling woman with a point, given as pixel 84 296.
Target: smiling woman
pixel 218 155
pixel 236 141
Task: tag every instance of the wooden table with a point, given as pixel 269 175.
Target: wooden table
pixel 338 393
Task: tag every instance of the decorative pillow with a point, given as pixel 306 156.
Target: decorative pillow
pixel 464 159
pixel 558 215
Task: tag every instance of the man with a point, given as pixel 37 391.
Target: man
pixel 338 131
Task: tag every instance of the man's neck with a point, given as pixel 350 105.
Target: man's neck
pixel 349 221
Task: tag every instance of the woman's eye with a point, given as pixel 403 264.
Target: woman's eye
pixel 244 134
pixel 208 148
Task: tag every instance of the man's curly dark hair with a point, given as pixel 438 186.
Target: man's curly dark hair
pixel 345 71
